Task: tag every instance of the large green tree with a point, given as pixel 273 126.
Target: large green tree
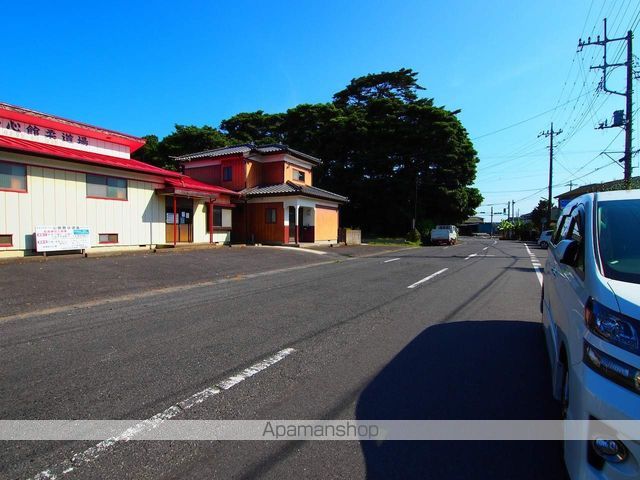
pixel 184 139
pixel 390 151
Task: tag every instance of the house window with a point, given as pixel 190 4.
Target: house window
pixel 108 238
pixel 217 217
pixel 6 240
pixel 271 215
pixel 298 175
pixel 100 186
pixel 226 174
pixel 13 177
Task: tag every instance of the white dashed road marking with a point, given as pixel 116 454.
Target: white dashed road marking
pixel 94 452
pixel 391 260
pixel 426 279
pixel 537 266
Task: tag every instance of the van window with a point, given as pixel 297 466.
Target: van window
pixel 562 224
pixel 618 225
pixel 576 232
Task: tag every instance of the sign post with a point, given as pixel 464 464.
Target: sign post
pixel 61 238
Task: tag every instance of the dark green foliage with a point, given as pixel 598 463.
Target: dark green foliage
pixel 414 236
pixel 184 139
pixel 539 214
pixel 255 127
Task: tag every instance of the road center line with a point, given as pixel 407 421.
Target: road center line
pixel 391 260
pixel 471 256
pixel 536 263
pixel 94 452
pixel 485 248
pixel 425 279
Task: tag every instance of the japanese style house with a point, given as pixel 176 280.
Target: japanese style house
pixel 277 202
pixel 62 175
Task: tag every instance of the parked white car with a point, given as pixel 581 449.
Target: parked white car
pixel 444 234
pixel 545 238
pixel 591 316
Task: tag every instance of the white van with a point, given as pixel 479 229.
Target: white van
pixel 591 316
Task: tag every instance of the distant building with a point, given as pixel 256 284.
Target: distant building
pixel 278 203
pixel 565 198
pixel 66 185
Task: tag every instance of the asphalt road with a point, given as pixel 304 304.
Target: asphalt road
pixel 464 344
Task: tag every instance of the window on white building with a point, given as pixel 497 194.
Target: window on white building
pixel 108 238
pixel 101 186
pixel 13 177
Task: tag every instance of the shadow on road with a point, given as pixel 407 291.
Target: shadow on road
pixel 464 370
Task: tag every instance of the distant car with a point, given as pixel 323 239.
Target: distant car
pixel 444 234
pixel 545 238
pixel 591 317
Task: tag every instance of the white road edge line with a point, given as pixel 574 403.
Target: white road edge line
pixel 391 260
pixel 94 452
pixel 425 279
pixel 294 249
pixel 536 264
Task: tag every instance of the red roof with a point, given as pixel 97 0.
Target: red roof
pixel 188 183
pixel 21 114
pixel 172 179
pixel 45 149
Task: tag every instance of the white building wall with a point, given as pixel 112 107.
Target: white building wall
pixel 200 221
pixel 57 196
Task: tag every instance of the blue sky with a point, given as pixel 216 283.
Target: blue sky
pixel 141 67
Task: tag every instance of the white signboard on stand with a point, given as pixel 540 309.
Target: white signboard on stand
pixel 58 238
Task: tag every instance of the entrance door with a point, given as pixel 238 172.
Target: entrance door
pixel 292 224
pixel 184 219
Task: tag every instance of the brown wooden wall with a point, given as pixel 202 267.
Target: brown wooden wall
pixel 254 174
pixel 262 231
pixel 209 174
pixel 237 176
pixel 272 173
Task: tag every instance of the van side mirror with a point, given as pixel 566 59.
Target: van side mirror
pixel 566 251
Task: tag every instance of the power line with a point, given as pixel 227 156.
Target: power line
pixel 525 120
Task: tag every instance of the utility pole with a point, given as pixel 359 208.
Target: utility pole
pixel 627 124
pixel 550 133
pixel 491 235
pixel 513 208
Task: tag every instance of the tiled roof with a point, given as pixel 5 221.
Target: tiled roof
pixel 248 148
pixel 290 188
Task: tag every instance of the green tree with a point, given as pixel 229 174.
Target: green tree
pixel 390 151
pixel 254 127
pixel 539 215
pixel 184 139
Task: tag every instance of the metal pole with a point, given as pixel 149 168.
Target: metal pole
pixel 629 122
pixel 550 175
pixel 491 234
pixel 175 217
pixel 210 221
